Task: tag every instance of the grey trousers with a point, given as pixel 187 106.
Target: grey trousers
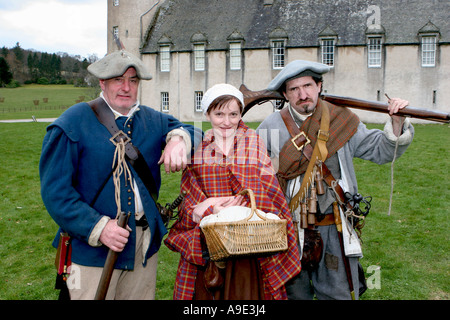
pixel 329 280
pixel 137 284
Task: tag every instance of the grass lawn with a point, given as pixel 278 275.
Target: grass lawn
pixel 406 254
pixel 18 102
pixel 410 247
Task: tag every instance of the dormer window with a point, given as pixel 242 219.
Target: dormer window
pixel 235 41
pixel 327 40
pixel 199 57
pixel 375 34
pixel 278 38
pixel 428 51
pixel 199 41
pixel 164 62
pixel 235 56
pixel 429 38
pixel 374 52
pixel 164 53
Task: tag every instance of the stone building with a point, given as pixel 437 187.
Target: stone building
pixel 398 47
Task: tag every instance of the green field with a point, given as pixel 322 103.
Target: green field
pixel 406 254
pixel 18 103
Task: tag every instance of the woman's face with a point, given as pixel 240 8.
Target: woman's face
pixel 225 119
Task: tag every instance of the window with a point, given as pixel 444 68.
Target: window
pixel 115 3
pixel 374 52
pixel 116 32
pixel 199 57
pixel 198 101
pixel 165 58
pixel 278 54
pixel 164 101
pixel 428 51
pixel 235 56
pixel 327 46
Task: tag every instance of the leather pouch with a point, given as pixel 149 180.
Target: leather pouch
pixel 312 249
pixel 63 254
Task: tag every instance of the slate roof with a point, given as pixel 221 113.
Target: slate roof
pixel 178 21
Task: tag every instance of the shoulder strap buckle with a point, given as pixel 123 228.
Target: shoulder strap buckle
pixel 120 136
pixel 301 134
pixel 323 135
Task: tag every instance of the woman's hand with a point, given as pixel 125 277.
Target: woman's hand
pixel 218 203
pixel 233 201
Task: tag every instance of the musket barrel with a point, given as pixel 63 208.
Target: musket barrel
pixel 257 97
pixel 383 108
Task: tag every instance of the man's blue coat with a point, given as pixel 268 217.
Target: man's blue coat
pixel 77 157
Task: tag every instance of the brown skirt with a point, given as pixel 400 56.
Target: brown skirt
pixel 239 280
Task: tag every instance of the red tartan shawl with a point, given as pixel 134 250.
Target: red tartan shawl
pixel 212 175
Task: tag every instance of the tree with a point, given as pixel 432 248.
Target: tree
pixel 4 51
pixel 33 62
pixel 18 51
pixel 5 75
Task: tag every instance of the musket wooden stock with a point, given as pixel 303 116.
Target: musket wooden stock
pixel 110 262
pixel 257 97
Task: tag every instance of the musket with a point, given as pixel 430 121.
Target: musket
pixel 252 98
pixel 113 255
pixel 110 262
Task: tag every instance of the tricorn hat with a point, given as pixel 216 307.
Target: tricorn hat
pixel 116 64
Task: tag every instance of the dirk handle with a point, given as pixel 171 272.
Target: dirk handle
pixel 337 216
pixel 177 201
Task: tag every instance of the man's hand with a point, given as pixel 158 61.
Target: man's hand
pixel 174 156
pixel 396 104
pixel 114 237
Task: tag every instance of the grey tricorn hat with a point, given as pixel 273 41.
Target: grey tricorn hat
pixel 116 64
pixel 295 69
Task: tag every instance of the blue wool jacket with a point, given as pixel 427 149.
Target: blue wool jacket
pixel 77 158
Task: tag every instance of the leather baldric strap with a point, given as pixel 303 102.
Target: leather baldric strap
pixel 302 143
pixel 319 153
pixel 106 117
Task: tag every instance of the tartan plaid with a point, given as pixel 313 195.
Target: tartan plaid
pixel 210 174
pixel 343 125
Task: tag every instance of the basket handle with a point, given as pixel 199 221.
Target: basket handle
pixel 252 203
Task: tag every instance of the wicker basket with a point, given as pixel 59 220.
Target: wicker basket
pixel 244 237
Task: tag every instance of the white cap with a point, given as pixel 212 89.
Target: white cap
pixel 222 89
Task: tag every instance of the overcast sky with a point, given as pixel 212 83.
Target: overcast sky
pixel 78 27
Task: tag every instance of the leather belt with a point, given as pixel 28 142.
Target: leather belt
pixel 142 222
pixel 326 221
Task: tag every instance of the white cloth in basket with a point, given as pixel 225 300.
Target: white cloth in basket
pixel 236 213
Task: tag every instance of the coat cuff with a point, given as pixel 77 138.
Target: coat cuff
pixel 405 138
pixel 182 133
pixel 97 231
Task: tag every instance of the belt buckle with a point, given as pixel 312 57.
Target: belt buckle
pixel 323 135
pixel 297 136
pixel 120 135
